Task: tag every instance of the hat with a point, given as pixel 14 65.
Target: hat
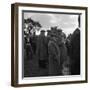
pixel 42 30
pixel 54 33
pixel 59 30
pixel 48 30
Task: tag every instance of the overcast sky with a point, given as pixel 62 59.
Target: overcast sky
pixel 66 22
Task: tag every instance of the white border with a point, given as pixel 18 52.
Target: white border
pixel 33 80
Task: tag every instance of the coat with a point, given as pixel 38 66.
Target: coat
pixel 41 48
pixel 75 53
pixel 54 58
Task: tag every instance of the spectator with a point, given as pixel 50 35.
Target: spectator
pixel 41 50
pixel 75 52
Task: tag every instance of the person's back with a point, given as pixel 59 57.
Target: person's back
pixel 41 51
pixel 54 58
pixel 75 52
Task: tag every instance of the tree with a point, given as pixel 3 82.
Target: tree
pixel 32 25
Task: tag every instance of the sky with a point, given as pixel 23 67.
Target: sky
pixel 68 23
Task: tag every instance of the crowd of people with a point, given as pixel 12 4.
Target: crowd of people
pixel 54 52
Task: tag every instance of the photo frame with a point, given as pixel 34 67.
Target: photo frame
pixel 48 44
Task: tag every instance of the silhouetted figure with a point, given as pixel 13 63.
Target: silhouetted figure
pixel 41 50
pixel 75 52
pixel 28 55
pixel 33 39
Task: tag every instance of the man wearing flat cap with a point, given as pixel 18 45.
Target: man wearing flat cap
pixel 41 51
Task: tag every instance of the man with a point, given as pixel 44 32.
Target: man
pixel 41 50
pixel 63 51
pixel 75 52
pixel 48 33
pixel 33 39
pixel 54 55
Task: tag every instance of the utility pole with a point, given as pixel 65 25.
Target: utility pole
pixel 79 21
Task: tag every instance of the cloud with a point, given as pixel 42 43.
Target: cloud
pixel 67 22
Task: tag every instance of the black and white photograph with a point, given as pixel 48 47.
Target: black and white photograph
pixel 49 44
